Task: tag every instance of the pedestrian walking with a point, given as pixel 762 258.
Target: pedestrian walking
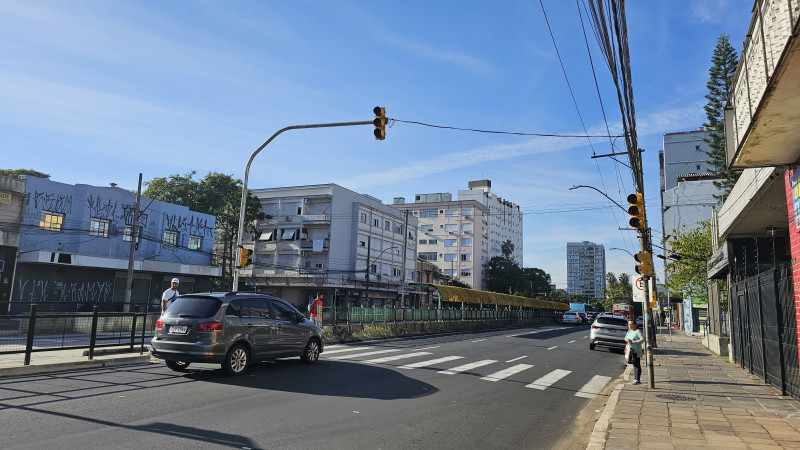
pixel 315 309
pixel 635 339
pixel 170 294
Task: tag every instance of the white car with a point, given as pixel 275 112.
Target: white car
pixel 572 317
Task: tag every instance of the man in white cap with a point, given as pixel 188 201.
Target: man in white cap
pixel 170 294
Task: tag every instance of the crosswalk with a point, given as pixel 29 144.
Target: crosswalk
pixel 378 355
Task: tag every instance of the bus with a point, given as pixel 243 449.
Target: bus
pixel 586 310
pixel 622 309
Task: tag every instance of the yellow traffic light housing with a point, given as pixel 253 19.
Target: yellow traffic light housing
pixel 645 266
pixel 380 123
pixel 245 257
pixel 636 211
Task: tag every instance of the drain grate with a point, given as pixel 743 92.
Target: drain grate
pixel 676 398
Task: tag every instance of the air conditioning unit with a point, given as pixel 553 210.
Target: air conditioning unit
pixel 303 254
pixel 305 200
pixel 288 218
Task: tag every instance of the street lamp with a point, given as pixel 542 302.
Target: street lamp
pixel 620 249
pixel 601 193
pixel 366 277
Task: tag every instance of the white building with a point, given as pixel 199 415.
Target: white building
pixel 453 235
pixel 586 269
pixel 505 223
pixel 324 237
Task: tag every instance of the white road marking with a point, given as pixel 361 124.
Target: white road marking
pixel 466 367
pixel 555 346
pixel 479 340
pixel 396 357
pixel 548 380
pixel 593 387
pixel 505 373
pixel 429 362
pixel 584 337
pixel 339 350
pixel 570 342
pixel 516 359
pixel 376 352
pixel 428 348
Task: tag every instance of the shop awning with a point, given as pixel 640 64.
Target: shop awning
pixel 458 294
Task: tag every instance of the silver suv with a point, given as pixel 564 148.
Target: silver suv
pixel 233 329
pixel 608 330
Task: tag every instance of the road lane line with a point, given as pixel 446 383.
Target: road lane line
pixel 377 352
pixel 555 346
pixel 396 357
pixel 548 380
pixel 429 362
pixel 466 367
pixel 479 340
pixel 339 350
pixel 428 348
pixel 584 337
pixel 516 359
pixel 570 342
pixel 505 373
pixel 593 387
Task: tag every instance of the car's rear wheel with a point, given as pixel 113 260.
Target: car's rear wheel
pixel 237 360
pixel 178 366
pixel 311 352
pixel 591 346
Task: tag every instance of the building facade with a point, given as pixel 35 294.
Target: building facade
pixel 325 237
pixel 505 218
pixel 12 198
pixel 453 235
pixel 586 269
pixel 75 243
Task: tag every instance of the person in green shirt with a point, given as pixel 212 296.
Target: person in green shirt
pixel 635 339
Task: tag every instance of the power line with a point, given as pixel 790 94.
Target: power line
pixel 587 135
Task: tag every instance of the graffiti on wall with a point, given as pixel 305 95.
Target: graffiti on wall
pixel 101 209
pixel 54 202
pixel 33 290
pixel 188 225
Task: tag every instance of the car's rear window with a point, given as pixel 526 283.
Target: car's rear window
pixel 193 307
pixel 612 321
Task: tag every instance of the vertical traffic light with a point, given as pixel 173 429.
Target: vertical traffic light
pixel 645 264
pixel 380 123
pixel 636 211
pixel 245 257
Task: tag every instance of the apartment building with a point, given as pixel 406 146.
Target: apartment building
pixel 505 218
pixel 586 269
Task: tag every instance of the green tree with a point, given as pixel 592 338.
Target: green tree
pixel 720 81
pixel 536 282
pixel 504 275
pixel 686 268
pixel 216 194
pixel 15 173
pixel 617 290
pixel 455 281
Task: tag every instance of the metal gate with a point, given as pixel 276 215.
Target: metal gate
pixel 763 328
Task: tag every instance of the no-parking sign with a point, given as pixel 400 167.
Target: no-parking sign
pixel 639 295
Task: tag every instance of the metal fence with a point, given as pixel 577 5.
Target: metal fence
pixel 763 328
pixel 373 315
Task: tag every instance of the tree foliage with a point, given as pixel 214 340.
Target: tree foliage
pixel 686 268
pixel 217 194
pixel 617 290
pixel 505 276
pixel 720 82
pixel 15 173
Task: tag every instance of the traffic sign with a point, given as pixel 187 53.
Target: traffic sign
pixel 639 294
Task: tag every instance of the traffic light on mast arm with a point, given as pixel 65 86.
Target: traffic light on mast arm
pixel 380 123
pixel 645 264
pixel 636 211
pixel 245 257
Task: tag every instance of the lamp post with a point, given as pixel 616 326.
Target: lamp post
pixel 366 277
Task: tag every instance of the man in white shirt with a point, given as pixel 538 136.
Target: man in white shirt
pixel 170 294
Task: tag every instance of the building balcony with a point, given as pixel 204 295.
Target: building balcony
pixel 763 111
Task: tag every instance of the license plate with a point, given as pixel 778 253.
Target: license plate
pixel 175 329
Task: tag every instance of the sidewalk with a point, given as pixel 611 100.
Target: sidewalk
pixel 60 360
pixel 700 401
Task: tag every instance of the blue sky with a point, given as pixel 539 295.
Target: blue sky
pixel 97 91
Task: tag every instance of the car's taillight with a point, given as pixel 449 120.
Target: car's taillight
pixel 208 326
pixel 595 326
pixel 159 325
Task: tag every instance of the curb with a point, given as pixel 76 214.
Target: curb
pixel 598 439
pixel 73 365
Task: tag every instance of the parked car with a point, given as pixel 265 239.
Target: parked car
pixel 608 330
pixel 233 329
pixel 639 321
pixel 572 317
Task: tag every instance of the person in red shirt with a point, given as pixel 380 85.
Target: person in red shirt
pixel 315 309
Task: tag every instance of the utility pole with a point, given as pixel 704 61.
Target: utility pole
pixel 131 254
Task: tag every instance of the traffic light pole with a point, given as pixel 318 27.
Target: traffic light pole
pixel 247 173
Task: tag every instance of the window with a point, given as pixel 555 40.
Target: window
pixel 362 243
pixel 449 257
pixel 424 228
pixel 450 242
pixel 697 147
pixel 412 235
pixel 288 235
pixel 466 227
pixel 427 256
pixel 126 234
pixel 466 273
pixel 398 229
pixel 373 268
pixel 283 311
pixel 466 257
pixel 395 272
pixel 387 225
pixel 423 241
pixel 99 227
pixel 451 227
pixel 376 223
pixel 451 213
pixel 290 208
pixel 698 167
pixel 466 212
pixel 256 308
pixel 268 236
pixel 171 238
pixel 362 217
pixel 432 241
pixel 51 221
pixel 428 213
pixel 195 242
pixel 466 242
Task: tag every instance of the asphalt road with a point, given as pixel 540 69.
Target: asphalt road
pixel 518 388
